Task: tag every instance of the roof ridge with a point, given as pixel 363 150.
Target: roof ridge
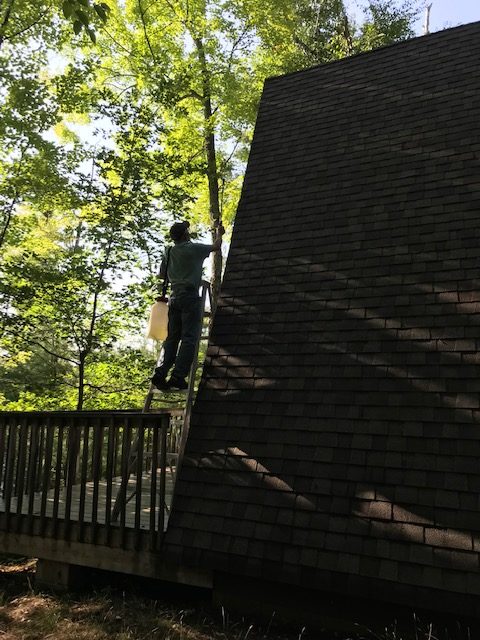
pixel 408 42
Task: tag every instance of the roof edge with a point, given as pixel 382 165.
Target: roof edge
pixel 409 41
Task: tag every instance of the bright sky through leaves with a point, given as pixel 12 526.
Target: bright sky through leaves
pixel 443 14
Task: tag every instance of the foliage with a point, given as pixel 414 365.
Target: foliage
pixel 82 14
pixel 143 115
pixel 22 20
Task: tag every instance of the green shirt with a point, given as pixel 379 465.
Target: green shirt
pixel 185 265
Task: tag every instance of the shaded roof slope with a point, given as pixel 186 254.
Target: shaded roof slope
pixel 335 438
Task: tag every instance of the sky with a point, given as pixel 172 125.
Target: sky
pixel 443 14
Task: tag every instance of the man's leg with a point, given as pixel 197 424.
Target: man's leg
pixel 170 346
pixel 191 325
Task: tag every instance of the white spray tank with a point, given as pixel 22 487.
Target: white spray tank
pixel 158 322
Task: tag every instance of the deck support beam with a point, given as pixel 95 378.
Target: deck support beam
pixel 60 576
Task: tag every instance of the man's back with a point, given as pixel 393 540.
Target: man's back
pixel 185 264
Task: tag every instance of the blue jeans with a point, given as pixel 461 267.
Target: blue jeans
pixel 184 325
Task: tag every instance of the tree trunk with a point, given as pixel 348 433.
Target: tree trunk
pixel 81 380
pixel 8 218
pixel 212 171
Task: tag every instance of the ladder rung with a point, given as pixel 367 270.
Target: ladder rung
pixel 160 393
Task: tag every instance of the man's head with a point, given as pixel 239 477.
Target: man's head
pixel 179 231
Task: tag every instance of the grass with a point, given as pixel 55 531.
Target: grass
pixel 109 614
pixel 28 614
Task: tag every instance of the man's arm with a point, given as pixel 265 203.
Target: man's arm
pixel 217 244
pixel 163 269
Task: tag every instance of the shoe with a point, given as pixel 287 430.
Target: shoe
pixel 159 382
pixel 177 383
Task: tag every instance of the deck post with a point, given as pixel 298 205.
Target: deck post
pixel 60 576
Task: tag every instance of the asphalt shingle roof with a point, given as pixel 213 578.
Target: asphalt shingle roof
pixel 335 440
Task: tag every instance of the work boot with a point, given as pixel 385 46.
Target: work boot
pixel 159 382
pixel 177 383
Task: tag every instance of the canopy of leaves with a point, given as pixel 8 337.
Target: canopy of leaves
pixel 115 118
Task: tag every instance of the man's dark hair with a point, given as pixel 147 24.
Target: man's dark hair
pixel 177 230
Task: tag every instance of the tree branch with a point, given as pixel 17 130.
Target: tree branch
pixel 32 24
pixel 236 44
pixel 191 94
pixel 52 353
pixel 142 17
pixel 115 41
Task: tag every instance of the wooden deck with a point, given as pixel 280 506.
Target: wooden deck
pixel 59 505
pixel 98 478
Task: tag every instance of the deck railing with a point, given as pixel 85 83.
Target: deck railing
pixel 96 477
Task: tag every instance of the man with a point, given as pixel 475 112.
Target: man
pixel 185 261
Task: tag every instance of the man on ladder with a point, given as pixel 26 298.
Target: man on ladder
pixel 182 265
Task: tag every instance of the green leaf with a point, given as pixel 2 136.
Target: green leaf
pixel 102 14
pixel 82 16
pixel 67 9
pixel 92 35
pixel 84 3
pixel 77 26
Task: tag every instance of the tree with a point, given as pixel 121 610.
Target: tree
pixel 170 92
pixel 210 58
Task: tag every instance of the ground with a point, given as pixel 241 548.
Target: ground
pixel 136 611
pixel 29 614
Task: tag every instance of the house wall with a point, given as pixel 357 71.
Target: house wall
pixel 335 438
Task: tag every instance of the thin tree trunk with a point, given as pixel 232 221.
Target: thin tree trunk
pixel 91 331
pixel 81 380
pixel 8 219
pixel 212 170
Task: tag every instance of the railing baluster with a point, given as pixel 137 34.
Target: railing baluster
pixel 32 472
pixel 164 422
pixel 122 497
pixel 83 482
pixel 21 468
pixel 138 484
pixel 73 444
pixel 47 469
pixel 96 473
pixel 153 488
pixel 3 439
pixel 58 476
pixel 118 450
pixel 41 449
pixel 111 448
pixel 9 470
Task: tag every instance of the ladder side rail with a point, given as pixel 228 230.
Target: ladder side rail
pixel 148 399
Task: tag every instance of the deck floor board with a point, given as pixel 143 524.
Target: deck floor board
pixel 102 501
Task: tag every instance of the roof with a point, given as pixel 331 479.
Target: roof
pixel 335 438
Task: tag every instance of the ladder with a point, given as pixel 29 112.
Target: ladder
pixel 173 398
pixel 154 393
